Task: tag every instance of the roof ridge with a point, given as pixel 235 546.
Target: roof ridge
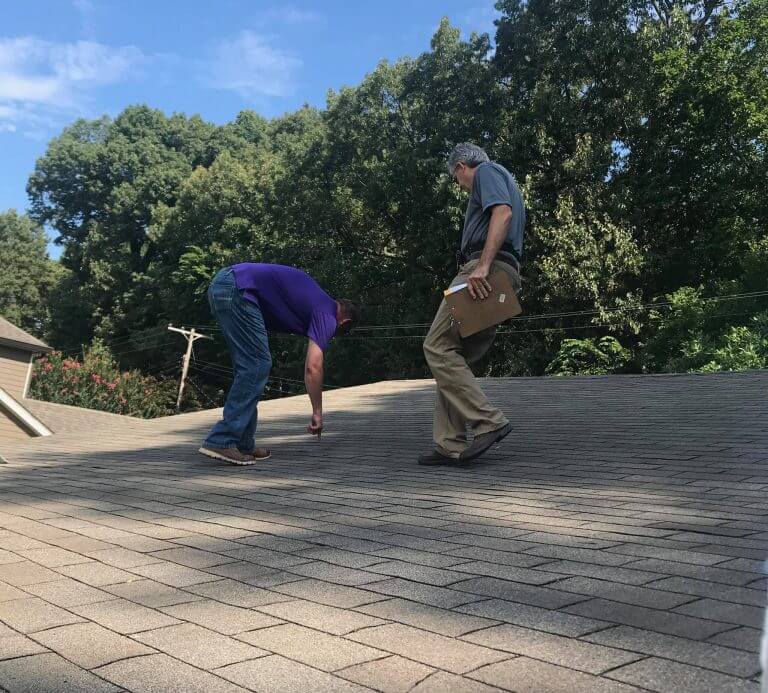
pixel 14 336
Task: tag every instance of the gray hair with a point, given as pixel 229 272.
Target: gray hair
pixel 466 153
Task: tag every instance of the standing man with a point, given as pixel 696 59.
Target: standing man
pixel 491 240
pixel 249 300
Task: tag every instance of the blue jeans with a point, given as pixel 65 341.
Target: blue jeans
pixel 243 326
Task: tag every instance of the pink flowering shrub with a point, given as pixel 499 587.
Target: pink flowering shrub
pixel 97 383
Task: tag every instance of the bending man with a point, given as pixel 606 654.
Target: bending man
pixel 249 300
pixel 491 240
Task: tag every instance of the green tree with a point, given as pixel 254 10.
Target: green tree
pixel 568 70
pixel 694 333
pixel 27 283
pixel 595 356
pixel 696 163
pixel 637 131
pixel 96 186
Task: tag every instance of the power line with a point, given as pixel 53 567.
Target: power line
pixel 121 340
pixel 228 373
pixel 301 382
pixel 545 316
pixel 214 366
pixel 577 313
pixel 147 346
pixel 267 387
pixel 145 342
pixel 498 332
pixel 144 348
pixel 505 332
pixel 170 365
pixel 202 371
pixel 228 370
pixel 355 334
pixel 200 391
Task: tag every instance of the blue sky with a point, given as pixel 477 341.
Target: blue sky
pixel 64 59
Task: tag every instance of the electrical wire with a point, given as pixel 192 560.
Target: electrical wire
pixel 200 391
pixel 228 374
pixel 544 316
pixel 121 340
pixel 373 332
pixel 228 370
pixel 591 326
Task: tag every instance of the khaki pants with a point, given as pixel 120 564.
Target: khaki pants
pixel 460 401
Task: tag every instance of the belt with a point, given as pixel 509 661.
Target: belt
pixel 505 248
pixel 501 256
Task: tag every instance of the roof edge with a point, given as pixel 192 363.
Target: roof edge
pixel 26 346
pixel 8 403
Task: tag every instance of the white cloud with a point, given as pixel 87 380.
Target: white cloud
pixel 39 79
pixel 20 88
pixel 32 120
pixel 94 63
pixel 250 66
pixel 7 116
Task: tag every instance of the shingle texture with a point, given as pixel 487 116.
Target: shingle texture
pixel 613 542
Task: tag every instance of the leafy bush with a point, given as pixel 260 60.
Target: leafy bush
pixel 97 383
pixel 741 348
pixel 687 333
pixel 594 356
pixel 693 334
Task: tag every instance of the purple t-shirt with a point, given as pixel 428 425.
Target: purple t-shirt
pixel 290 300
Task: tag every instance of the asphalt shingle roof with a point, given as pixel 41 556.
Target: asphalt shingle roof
pixel 614 542
pixel 10 335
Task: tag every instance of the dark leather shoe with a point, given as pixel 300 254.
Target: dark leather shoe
pixel 234 456
pixel 434 459
pixel 482 442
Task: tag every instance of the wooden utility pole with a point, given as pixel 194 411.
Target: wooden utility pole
pixel 191 336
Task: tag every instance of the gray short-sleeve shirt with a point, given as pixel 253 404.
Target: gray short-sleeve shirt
pixel 493 185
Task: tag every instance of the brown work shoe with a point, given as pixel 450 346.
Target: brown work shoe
pixel 234 456
pixel 258 454
pixel 482 442
pixel 436 458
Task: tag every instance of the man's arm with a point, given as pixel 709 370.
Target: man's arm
pixel 313 379
pixel 497 234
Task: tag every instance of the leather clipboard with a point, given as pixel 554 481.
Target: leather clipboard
pixel 475 315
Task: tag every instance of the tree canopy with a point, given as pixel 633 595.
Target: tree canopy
pixel 637 131
pixel 28 274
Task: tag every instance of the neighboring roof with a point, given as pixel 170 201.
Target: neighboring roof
pixel 19 412
pixel 63 418
pixel 13 336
